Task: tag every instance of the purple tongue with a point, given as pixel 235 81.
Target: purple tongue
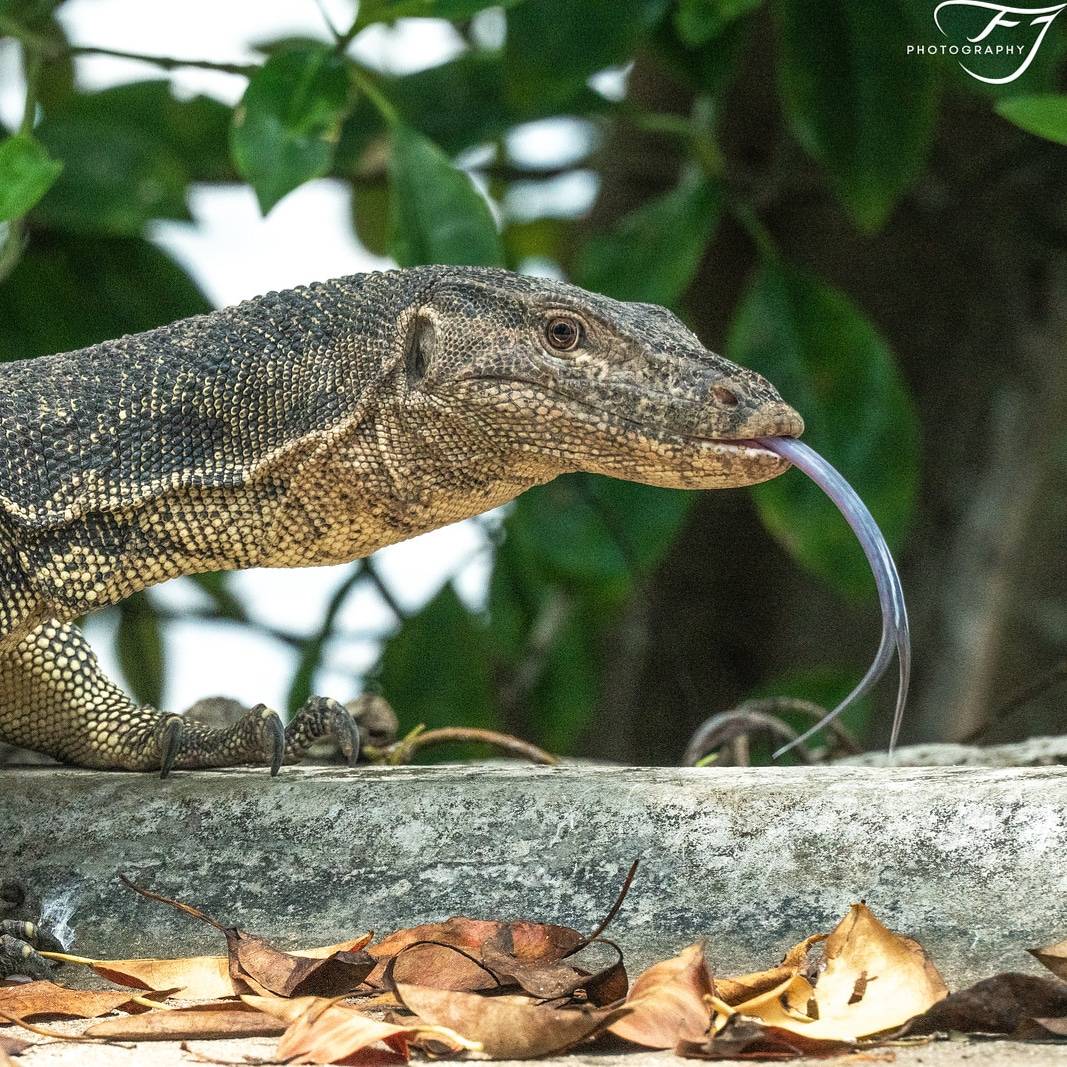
pixel 890 594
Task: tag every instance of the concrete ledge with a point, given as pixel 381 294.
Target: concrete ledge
pixel 971 861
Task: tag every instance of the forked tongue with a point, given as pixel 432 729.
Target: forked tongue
pixel 890 594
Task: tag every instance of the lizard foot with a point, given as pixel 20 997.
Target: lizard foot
pixel 220 733
pixel 257 736
pixel 20 939
pixel 319 719
pixel 19 942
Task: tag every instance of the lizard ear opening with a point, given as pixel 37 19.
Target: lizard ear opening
pixel 419 348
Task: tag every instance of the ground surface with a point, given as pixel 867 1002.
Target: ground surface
pixel 967 860
pixel 168 1053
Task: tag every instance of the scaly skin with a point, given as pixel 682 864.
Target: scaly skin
pixel 313 427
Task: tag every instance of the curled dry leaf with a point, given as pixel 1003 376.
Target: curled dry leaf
pixel 199 977
pixel 438 965
pixel 320 1030
pixel 667 1002
pixel 872 980
pixel 40 1000
pixel 423 955
pixel 747 986
pixel 188 1023
pixel 1005 1004
pixel 507 1027
pixel 1054 957
pixel 550 979
pixel 260 966
pixel 256 965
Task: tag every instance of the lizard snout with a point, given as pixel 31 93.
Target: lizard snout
pixel 775 419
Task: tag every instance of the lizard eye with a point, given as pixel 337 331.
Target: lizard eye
pixel 563 333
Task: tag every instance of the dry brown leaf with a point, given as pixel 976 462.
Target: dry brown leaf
pixel 438 965
pixel 261 966
pixel 1041 1029
pixel 460 931
pixel 37 1000
pixel 527 940
pixel 872 980
pixel 667 1002
pixel 752 1039
pixel 746 986
pixel 551 978
pixel 256 965
pixel 1000 1005
pixel 198 977
pixel 188 1023
pixel 423 955
pixel 320 1030
pixel 1054 957
pixel 507 1027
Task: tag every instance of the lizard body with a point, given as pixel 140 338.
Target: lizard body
pixel 315 426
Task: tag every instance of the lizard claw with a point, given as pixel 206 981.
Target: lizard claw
pixel 276 731
pixel 322 717
pixel 170 740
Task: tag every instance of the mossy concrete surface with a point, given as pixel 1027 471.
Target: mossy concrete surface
pixel 971 861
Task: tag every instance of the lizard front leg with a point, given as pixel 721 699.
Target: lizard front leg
pixel 55 699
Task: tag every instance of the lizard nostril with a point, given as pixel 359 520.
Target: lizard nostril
pixel 726 397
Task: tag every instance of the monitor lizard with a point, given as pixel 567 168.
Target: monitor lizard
pixel 310 427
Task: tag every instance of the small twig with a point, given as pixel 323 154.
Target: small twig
pixel 245 70
pixel 188 909
pixel 334 32
pixel 42 1031
pixel 613 910
pixel 755 716
pixel 402 750
pixel 48 48
pixel 383 590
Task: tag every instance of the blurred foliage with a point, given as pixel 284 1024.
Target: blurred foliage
pixel 88 172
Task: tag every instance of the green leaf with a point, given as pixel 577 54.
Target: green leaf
pixel 437 215
pixel 653 253
pixel 595 535
pixel 130 152
pixel 554 45
pixel 857 102
pixel 710 67
pixel 1044 115
pixel 436 669
pixel 26 174
pixel 115 179
pixel 833 366
pixel 94 289
pixel 699 21
pixel 370 215
pixel 139 648
pixel 286 127
pixel 371 11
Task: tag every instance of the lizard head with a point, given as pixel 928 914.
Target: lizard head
pixel 582 382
